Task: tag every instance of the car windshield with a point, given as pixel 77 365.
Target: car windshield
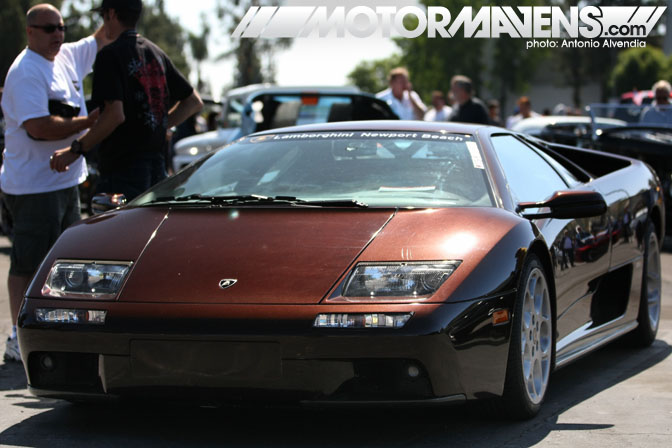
pixel 377 169
pixel 648 115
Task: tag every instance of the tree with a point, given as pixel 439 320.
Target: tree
pixel 432 62
pixel 580 65
pixel 199 49
pixel 13 26
pixel 254 56
pixel 371 76
pixel 639 68
pixel 165 32
pixel 513 65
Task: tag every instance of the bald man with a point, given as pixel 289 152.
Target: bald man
pixel 44 108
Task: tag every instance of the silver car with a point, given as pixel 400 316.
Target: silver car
pixel 261 107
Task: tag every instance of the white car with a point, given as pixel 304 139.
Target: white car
pixel 261 107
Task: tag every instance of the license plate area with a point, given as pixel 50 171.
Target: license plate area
pixel 199 363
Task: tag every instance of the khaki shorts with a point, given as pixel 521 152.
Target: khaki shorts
pixel 39 219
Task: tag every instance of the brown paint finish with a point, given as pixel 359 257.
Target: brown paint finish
pixel 466 234
pixel 117 236
pixel 277 256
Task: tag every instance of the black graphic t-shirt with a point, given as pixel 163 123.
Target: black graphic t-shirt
pixel 135 71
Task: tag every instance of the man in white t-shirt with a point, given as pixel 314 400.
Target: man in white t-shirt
pixel 524 111
pixel 440 111
pixel 44 108
pixel 401 98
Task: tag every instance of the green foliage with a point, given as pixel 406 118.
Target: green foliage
pixel 155 24
pixel 79 18
pixel 639 68
pixel 165 32
pixel 582 65
pixel 504 62
pixel 250 54
pixel 371 76
pixel 513 66
pixel 13 26
pixel 199 50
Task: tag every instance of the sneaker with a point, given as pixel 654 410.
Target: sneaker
pixel 12 350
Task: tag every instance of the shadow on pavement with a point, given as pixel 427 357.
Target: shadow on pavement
pixel 667 244
pixel 12 375
pixel 63 424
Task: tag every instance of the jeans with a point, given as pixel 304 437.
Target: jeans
pixel 135 178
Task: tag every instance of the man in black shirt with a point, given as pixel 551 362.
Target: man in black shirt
pixel 142 95
pixel 469 108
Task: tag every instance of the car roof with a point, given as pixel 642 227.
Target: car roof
pixel 550 120
pixel 269 89
pixel 383 125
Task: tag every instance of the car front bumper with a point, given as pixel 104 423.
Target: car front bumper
pixel 446 352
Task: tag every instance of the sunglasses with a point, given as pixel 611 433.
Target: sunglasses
pixel 50 28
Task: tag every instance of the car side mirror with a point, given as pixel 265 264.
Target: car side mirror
pixel 568 205
pixel 105 202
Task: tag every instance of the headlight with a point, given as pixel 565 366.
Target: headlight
pixel 193 150
pixel 398 279
pixel 86 280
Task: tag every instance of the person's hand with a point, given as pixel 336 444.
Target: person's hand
pixel 61 159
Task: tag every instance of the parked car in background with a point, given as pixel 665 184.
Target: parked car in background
pixel 262 107
pixel 649 142
pixel 566 130
pixel 638 97
pixel 377 262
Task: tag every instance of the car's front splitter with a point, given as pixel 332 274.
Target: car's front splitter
pixel 445 353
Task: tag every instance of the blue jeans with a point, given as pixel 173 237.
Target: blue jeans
pixel 135 178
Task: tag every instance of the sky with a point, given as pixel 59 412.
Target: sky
pixel 309 61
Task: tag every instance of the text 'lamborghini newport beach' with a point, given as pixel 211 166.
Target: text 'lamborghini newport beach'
pixel 353 263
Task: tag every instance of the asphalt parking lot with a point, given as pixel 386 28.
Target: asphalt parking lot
pixel 616 397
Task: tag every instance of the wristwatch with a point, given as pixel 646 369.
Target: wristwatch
pixel 76 147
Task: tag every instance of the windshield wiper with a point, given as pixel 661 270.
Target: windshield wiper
pixel 253 199
pixel 211 199
pixel 332 203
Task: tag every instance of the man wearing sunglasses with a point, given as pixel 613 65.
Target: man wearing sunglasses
pixel 44 108
pixel 142 95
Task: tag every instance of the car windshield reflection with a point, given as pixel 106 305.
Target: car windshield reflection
pixel 377 169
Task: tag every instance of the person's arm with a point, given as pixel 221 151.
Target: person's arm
pixel 419 108
pixel 111 117
pixel 53 127
pixel 184 109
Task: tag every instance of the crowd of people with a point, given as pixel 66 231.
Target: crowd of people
pixel 139 94
pixel 460 104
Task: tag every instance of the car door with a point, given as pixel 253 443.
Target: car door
pixel 579 247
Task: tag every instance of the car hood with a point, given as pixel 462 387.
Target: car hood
pixel 275 256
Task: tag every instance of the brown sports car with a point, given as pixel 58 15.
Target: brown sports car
pixel 367 262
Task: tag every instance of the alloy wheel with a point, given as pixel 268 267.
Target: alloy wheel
pixel 536 336
pixel 653 281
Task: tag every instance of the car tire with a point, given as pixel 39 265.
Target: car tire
pixel 532 346
pixel 650 295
